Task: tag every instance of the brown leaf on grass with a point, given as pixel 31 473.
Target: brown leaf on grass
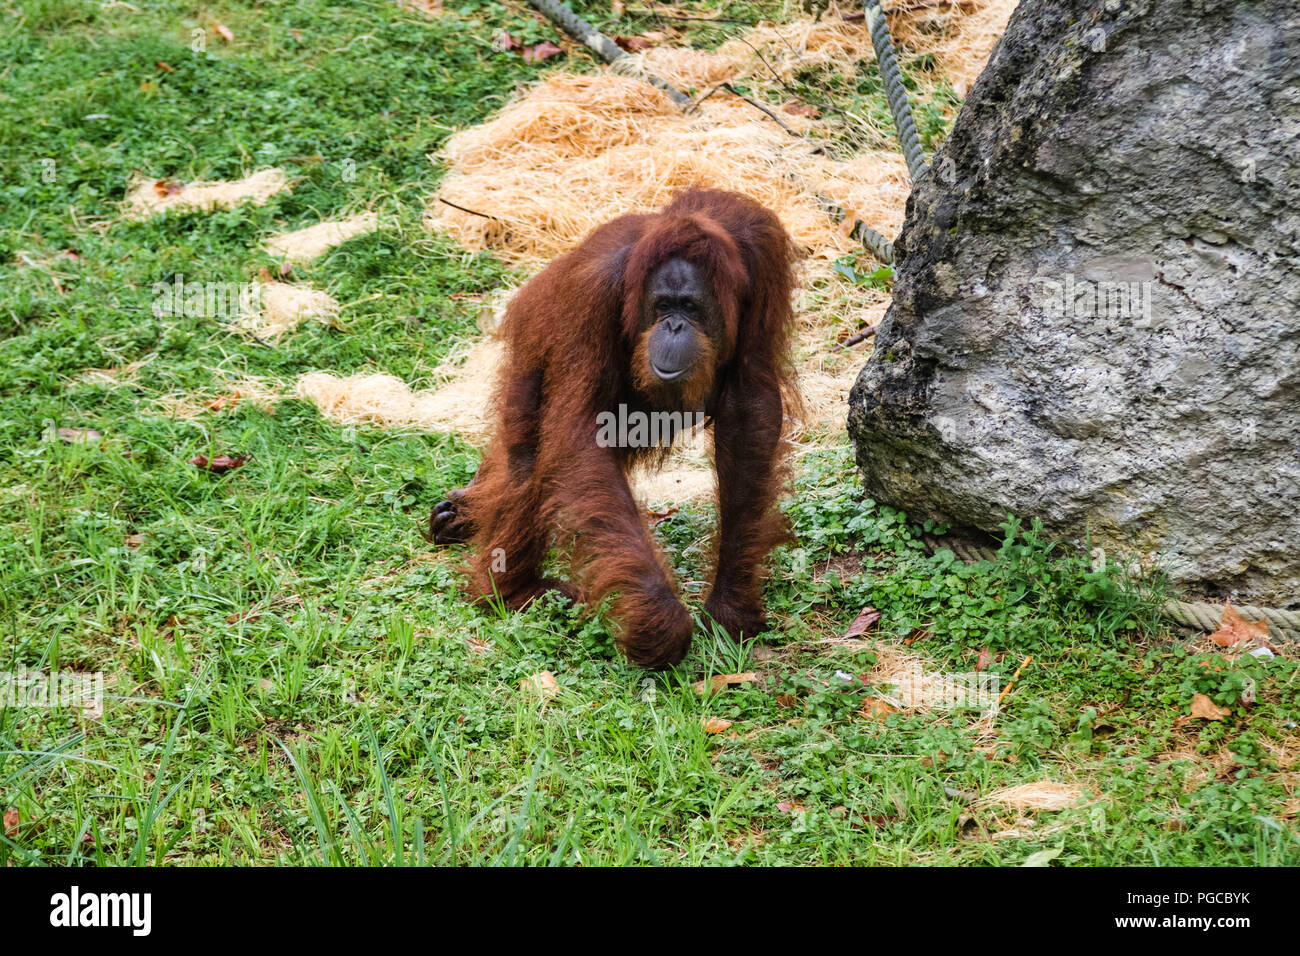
pixel 224 31
pixel 1205 709
pixel 637 44
pixel 222 402
pixel 430 8
pixel 11 823
pixel 167 187
pixel 542 51
pixel 983 661
pixel 1235 629
pixel 799 108
pixel 715 725
pixel 504 43
pixel 862 623
pixel 133 541
pixel 165 66
pixel 787 700
pixel 785 806
pixel 544 685
pixel 219 464
pixel 720 682
pixel 877 710
pixel 657 518
pixel 79 436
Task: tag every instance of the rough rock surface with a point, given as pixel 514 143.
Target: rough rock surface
pixel 1096 315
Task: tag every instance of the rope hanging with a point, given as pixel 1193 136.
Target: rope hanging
pixel 895 91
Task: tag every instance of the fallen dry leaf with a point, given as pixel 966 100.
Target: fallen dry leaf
pixel 165 66
pixel 167 187
pixel 544 685
pixel 221 402
pixel 657 518
pixel 715 725
pixel 720 682
pixel 637 44
pixel 226 33
pixel 542 51
pixel 1235 629
pixel 787 700
pixel 220 463
pixel 1205 709
pixel 862 623
pixel 11 823
pixel 797 108
pixel 877 710
pixel 983 661
pixel 785 806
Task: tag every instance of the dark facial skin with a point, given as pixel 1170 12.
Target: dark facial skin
pixel 680 307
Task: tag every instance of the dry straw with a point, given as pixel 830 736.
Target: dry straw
pixel 302 245
pixel 1041 795
pixel 149 197
pixel 283 307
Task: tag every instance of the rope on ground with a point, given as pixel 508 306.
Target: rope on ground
pixel 1206 617
pixel 609 51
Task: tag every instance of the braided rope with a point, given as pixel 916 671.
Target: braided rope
pixel 1206 617
pixel 598 43
pixel 895 91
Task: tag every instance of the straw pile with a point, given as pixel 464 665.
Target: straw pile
pixel 576 151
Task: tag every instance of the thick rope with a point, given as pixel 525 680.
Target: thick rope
pixel 598 43
pixel 1206 617
pixel 895 91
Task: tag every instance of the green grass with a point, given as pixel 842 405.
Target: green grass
pixel 291 676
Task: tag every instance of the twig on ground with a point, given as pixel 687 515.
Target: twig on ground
pixel 853 340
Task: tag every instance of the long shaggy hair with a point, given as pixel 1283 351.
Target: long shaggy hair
pixel 576 349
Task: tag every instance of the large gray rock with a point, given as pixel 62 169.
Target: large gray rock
pixel 1096 316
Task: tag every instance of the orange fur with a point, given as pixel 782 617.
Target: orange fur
pixel 575 350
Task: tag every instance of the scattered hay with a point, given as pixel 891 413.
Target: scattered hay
pixel 231 392
pixel 388 402
pixel 119 375
pixel 459 406
pixel 282 307
pixel 149 197
pixel 302 245
pixel 961 36
pixel 577 151
pixel 1040 796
